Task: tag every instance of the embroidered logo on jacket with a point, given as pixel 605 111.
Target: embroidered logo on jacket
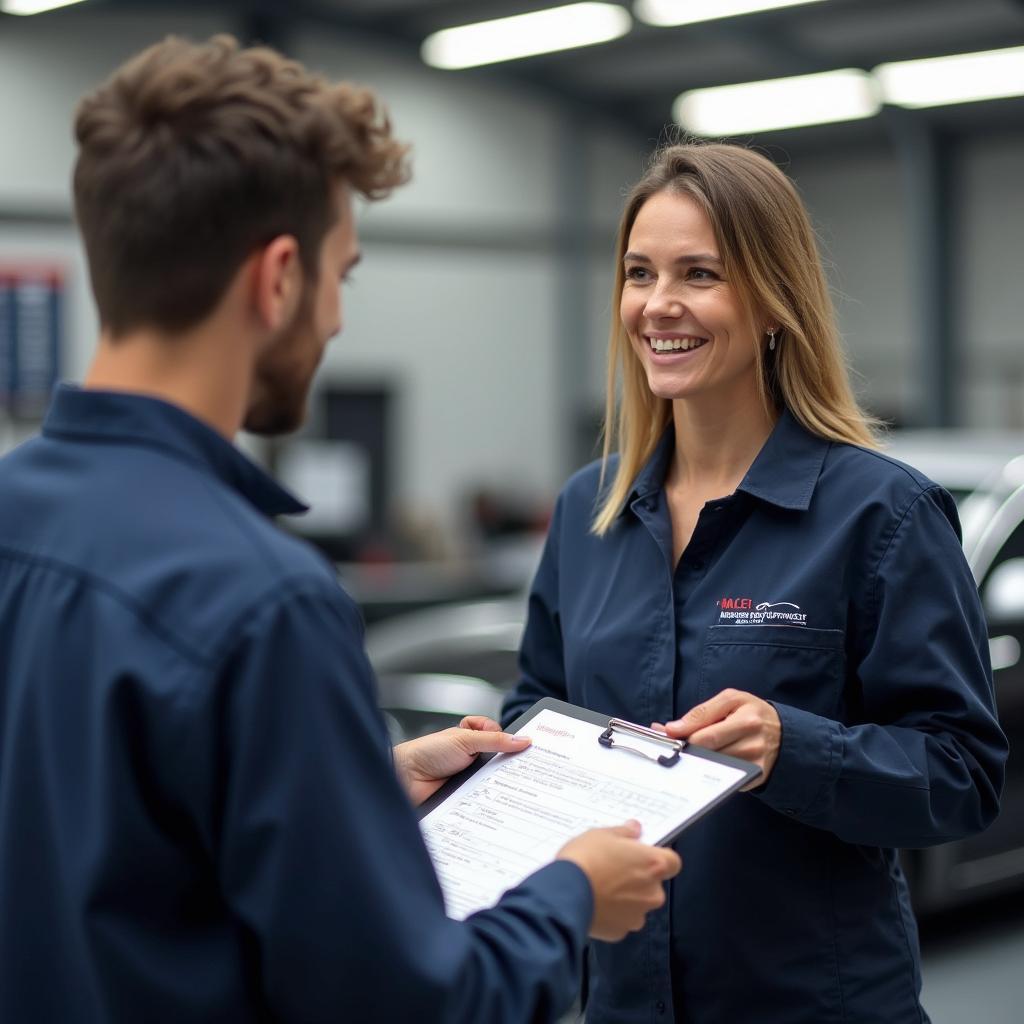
pixel 741 611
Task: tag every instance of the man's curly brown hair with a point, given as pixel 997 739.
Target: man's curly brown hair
pixel 192 155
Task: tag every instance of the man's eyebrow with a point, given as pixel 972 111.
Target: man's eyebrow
pixel 696 257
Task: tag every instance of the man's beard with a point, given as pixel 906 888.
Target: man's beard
pixel 283 374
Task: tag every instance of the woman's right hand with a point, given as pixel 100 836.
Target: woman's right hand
pixel 736 723
pixel 627 877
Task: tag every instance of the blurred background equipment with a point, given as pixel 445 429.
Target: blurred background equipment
pixel 421 702
pixel 31 337
pixel 476 638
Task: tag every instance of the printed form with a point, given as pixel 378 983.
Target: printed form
pixel 519 810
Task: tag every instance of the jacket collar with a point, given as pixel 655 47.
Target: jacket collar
pixel 114 417
pixel 784 473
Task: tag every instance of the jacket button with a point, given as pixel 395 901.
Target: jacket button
pixel 659 1006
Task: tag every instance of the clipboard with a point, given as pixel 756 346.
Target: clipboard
pixel 619 739
pixel 493 825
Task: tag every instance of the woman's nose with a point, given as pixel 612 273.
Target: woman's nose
pixel 663 304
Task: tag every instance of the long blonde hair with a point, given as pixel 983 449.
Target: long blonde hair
pixel 768 249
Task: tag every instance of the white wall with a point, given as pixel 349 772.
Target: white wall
pixel 858 209
pixel 990 290
pixel 474 327
pixel 46 64
pixel 858 203
pixel 482 155
pixel 468 344
pixel 468 330
pixel 472 332
pixel 615 167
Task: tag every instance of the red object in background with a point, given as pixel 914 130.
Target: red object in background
pixel 31 335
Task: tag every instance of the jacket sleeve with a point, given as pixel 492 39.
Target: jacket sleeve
pixel 922 760
pixel 541 665
pixel 320 858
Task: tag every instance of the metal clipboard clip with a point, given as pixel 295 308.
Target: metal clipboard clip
pixel 608 739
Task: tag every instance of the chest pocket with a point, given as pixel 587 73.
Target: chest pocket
pixel 793 665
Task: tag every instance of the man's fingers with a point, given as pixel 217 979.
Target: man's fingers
pixel 630 829
pixel 488 742
pixel 671 863
pixel 479 723
pixel 483 735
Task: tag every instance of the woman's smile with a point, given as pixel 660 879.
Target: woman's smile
pixel 665 348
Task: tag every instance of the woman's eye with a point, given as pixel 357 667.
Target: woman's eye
pixel 637 273
pixel 702 274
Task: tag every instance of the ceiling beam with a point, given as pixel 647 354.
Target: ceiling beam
pixel 641 115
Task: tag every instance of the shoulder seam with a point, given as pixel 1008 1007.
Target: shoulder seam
pixel 168 636
pixel 213 486
pixel 102 437
pixel 900 518
pixel 915 475
pixel 282 590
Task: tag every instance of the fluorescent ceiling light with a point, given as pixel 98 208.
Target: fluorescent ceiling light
pixel 845 95
pixel 686 12
pixel 962 78
pixel 33 6
pixel 524 35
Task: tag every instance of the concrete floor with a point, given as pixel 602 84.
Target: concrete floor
pixel 974 964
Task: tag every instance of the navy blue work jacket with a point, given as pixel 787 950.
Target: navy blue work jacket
pixel 199 815
pixel 831 583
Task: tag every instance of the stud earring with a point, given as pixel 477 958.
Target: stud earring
pixel 771 339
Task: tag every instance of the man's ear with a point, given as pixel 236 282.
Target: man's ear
pixel 277 282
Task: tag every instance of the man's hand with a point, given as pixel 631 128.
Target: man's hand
pixel 736 723
pixel 627 877
pixel 426 763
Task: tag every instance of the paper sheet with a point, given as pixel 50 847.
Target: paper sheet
pixel 517 812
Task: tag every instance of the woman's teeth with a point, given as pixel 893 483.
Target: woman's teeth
pixel 675 344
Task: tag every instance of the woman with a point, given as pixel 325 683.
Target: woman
pixel 749 570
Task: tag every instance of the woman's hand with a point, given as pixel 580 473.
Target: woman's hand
pixel 426 763
pixel 736 723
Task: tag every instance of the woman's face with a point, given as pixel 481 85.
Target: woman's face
pixel 684 319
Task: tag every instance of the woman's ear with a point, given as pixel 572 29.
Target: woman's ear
pixel 277 282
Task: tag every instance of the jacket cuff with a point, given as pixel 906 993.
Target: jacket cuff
pixel 565 889
pixel 808 763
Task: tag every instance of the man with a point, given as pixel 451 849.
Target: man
pixel 200 817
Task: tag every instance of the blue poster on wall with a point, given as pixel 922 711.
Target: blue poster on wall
pixel 31 316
